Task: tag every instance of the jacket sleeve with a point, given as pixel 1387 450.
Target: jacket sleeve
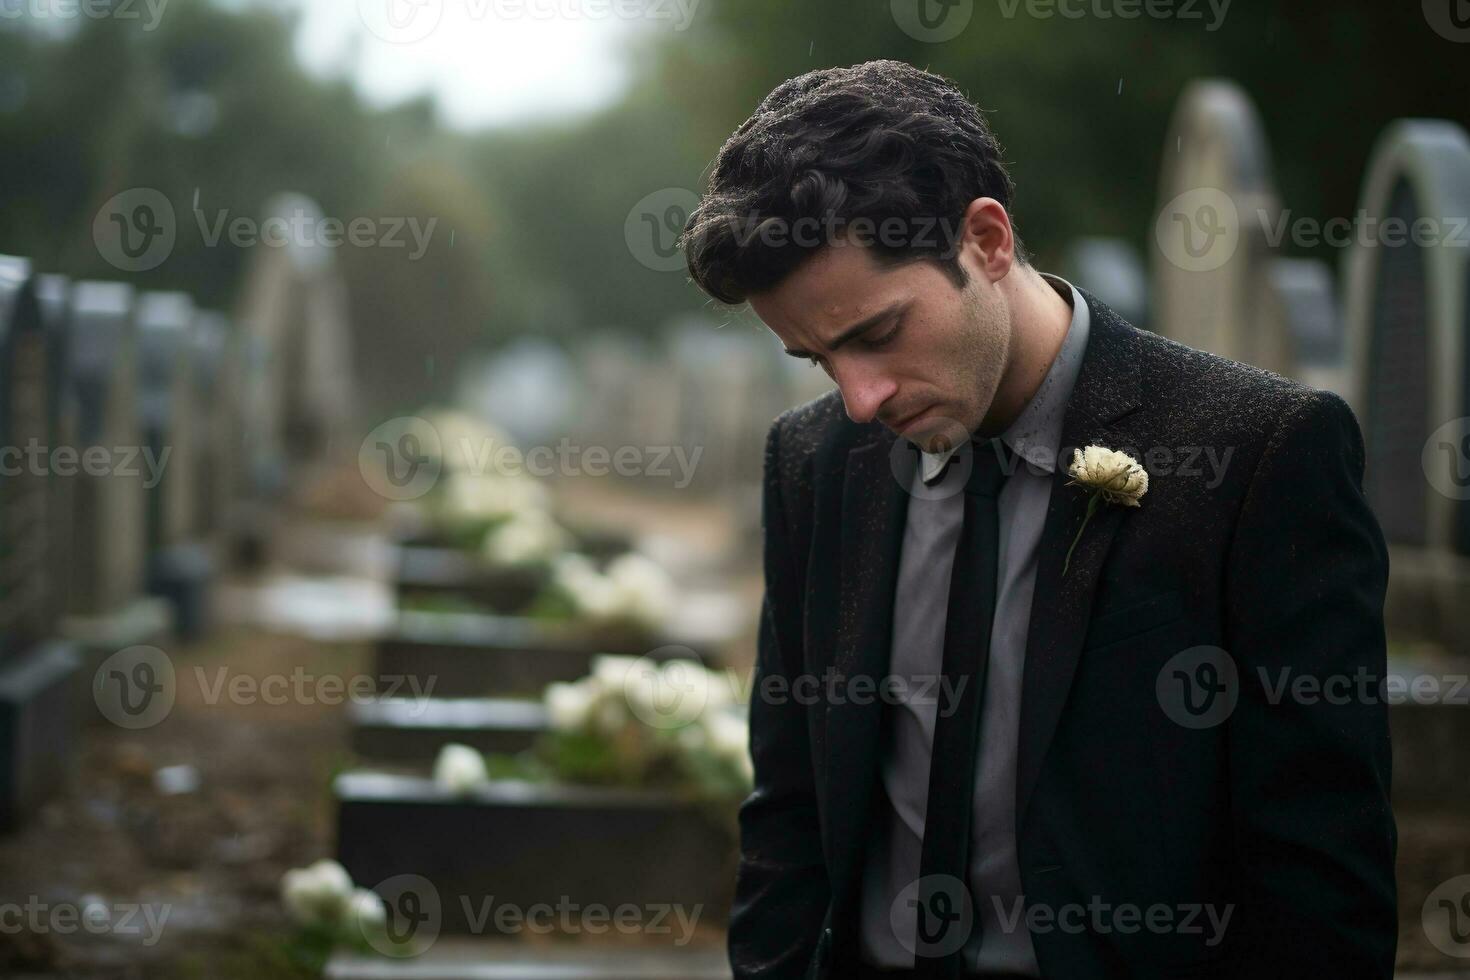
pixel 1310 773
pixel 781 891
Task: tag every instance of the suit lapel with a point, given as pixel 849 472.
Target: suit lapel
pixel 874 510
pixel 1107 388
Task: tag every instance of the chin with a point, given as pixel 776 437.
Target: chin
pixel 935 433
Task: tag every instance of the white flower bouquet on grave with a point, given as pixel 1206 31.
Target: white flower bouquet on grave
pixel 633 593
pixel 635 722
pixel 329 911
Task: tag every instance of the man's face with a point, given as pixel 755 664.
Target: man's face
pixel 904 345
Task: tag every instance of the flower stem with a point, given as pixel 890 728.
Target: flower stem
pixel 1091 508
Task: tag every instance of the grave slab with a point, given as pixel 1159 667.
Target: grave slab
pixel 470 959
pixel 414 730
pixel 474 655
pixel 524 844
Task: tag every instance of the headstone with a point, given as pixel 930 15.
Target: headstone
pixel 216 379
pixel 1211 244
pixel 54 295
pixel 1303 297
pixel 640 847
pixel 474 654
pixel 293 314
pixel 1111 270
pixel 106 608
pixel 1408 320
pixel 180 567
pixel 413 730
pixel 37 672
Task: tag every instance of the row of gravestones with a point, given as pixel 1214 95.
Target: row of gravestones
pixel 143 443
pixel 1393 338
pixel 1391 334
pixel 437 857
pixel 108 435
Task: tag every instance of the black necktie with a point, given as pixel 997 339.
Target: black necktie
pixel 943 924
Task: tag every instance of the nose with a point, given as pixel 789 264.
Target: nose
pixel 864 391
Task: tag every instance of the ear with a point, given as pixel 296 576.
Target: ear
pixel 987 246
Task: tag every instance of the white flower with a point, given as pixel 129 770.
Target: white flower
pixel 1117 476
pixel 478 497
pixel 460 768
pixel 366 909
pixel 728 737
pixel 569 706
pixel 530 537
pixel 591 593
pixel 466 443
pixel 644 590
pixel 318 893
pixel 612 670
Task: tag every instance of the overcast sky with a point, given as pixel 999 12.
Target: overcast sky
pixel 489 62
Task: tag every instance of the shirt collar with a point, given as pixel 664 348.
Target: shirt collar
pixel 1036 434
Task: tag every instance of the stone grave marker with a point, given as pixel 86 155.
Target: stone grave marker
pixel 54 295
pixel 391 825
pixel 1407 326
pixel 413 730
pixel 216 380
pixel 180 567
pixel 1212 237
pixel 37 671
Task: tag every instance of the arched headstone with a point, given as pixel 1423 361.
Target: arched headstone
pixel 294 321
pixel 1211 246
pixel 1408 317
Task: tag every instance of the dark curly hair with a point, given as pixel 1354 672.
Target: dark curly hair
pixel 878 146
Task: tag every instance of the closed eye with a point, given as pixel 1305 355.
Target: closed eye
pixel 886 339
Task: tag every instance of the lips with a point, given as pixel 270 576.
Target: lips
pixel 905 422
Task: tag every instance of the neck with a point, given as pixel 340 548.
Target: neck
pixel 1040 318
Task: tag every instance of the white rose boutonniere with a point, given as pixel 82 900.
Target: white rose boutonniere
pixel 1114 477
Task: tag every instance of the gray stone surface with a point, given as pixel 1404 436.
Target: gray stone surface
pixel 474 655
pixel 527 844
pixel 470 959
pixel 413 730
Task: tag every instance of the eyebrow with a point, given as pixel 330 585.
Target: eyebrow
pixel 859 328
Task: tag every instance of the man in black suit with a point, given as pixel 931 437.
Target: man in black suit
pixel 1019 711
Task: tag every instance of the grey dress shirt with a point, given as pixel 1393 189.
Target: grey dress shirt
pixel 935 514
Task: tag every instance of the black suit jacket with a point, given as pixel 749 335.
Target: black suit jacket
pixel 1280 813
